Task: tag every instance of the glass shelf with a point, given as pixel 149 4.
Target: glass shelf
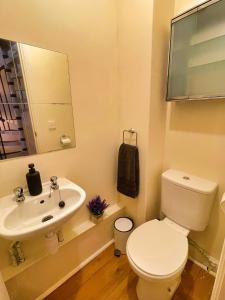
pixel 208 34
pixel 199 65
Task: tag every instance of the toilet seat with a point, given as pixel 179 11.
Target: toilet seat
pixel 156 250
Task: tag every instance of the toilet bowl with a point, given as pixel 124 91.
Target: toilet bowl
pixel 157 252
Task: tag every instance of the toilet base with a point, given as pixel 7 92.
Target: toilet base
pixel 149 290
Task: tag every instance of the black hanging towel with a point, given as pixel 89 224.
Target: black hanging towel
pixel 128 170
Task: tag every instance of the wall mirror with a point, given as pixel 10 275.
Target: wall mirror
pixel 36 113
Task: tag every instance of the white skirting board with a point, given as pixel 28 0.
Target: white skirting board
pixel 74 271
pixel 203 266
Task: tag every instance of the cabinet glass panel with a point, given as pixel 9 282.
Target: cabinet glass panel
pixel 197 58
pixel 182 33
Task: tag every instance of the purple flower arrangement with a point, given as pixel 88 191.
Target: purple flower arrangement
pixel 97 206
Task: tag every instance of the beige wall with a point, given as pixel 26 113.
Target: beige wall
pixel 143 43
pixel 195 141
pixel 87 32
pixel 163 12
pixel 135 34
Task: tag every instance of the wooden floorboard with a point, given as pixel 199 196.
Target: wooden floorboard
pixel 110 278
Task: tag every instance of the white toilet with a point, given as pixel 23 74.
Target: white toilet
pixel 158 250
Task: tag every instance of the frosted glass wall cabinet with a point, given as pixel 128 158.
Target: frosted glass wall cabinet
pixel 36 113
pixel 197 53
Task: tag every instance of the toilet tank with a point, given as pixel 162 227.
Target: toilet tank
pixel 187 199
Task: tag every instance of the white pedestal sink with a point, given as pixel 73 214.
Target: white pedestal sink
pixel 39 214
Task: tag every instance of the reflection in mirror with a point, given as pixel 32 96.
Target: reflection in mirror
pixel 36 113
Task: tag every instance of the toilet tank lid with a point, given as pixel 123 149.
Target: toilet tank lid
pixel 190 182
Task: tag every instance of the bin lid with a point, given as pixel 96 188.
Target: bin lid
pixel 124 224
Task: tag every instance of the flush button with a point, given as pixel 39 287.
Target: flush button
pixel 186 178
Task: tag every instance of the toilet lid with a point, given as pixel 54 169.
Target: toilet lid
pixel 157 249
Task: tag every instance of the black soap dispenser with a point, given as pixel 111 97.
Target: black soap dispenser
pixel 33 181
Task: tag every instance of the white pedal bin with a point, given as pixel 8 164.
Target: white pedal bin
pixel 122 229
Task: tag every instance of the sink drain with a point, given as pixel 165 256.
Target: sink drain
pixel 47 218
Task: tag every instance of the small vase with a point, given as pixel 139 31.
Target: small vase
pixel 96 218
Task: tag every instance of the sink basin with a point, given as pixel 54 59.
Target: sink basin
pixel 39 214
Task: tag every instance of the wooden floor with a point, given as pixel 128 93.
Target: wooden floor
pixel 110 278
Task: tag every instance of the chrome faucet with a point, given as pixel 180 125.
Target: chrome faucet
pixel 53 184
pixel 16 253
pixel 19 194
